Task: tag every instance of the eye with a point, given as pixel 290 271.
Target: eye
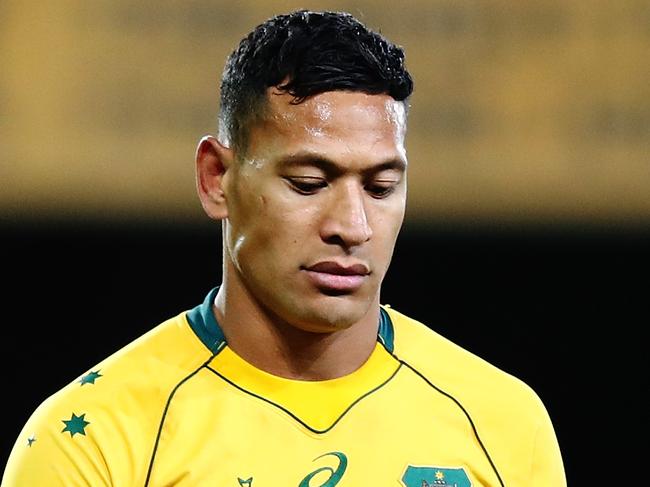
pixel 381 189
pixel 306 185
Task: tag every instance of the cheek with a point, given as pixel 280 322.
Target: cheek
pixel 387 229
pixel 246 225
pixel 270 225
pixel 289 211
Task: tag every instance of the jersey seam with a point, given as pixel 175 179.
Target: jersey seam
pixel 166 409
pixel 462 408
pixel 294 416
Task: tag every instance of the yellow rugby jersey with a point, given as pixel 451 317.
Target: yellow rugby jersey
pixel 178 407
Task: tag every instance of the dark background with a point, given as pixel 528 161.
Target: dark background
pixel 563 308
pixel 523 113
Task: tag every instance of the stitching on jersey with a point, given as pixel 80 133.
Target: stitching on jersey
pixel 164 415
pixel 296 418
pixel 457 402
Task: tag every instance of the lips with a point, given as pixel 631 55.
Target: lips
pixel 336 278
pixel 338 269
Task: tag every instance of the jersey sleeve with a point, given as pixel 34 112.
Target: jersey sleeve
pixel 101 429
pixel 546 467
pixel 56 449
pixel 96 432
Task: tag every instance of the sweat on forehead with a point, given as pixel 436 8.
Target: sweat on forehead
pixel 320 110
pixel 356 129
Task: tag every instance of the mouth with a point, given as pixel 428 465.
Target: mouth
pixel 334 278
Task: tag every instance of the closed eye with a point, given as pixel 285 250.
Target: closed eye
pixel 306 185
pixel 381 189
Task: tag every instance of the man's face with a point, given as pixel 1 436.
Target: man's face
pixel 315 206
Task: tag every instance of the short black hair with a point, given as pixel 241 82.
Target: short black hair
pixel 305 53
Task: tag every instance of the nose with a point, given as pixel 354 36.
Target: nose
pixel 346 222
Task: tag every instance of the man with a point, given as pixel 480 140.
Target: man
pixel 291 373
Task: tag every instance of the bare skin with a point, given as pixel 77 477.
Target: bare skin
pixel 310 217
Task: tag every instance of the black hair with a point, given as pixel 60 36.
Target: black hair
pixel 305 53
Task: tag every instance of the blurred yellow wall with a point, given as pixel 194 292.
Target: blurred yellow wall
pixel 523 110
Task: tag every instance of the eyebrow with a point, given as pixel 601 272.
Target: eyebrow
pixel 332 168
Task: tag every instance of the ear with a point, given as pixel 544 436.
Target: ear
pixel 212 161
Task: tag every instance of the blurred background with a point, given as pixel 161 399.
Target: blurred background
pixel 528 222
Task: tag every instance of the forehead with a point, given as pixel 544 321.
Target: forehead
pixel 332 122
pixel 373 111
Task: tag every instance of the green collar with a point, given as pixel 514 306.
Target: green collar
pixel 205 325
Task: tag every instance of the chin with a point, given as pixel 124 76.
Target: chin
pixel 331 316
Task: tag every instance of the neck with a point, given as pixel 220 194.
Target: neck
pixel 282 349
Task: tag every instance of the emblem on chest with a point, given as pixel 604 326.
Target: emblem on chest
pixel 435 477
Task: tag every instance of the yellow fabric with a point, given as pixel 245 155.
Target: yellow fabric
pixel 316 403
pixel 166 411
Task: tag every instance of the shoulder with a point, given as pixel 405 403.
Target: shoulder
pixel 484 390
pixel 505 412
pixel 111 413
pixel 140 375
